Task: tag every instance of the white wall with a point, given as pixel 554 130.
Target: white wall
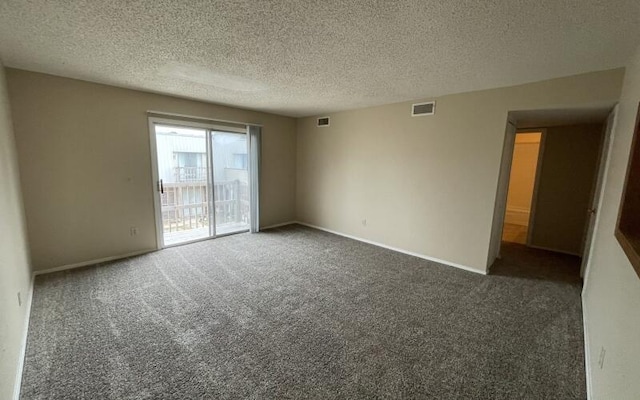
pixel 15 273
pixel 522 178
pixel 611 296
pixel 85 165
pixel 424 184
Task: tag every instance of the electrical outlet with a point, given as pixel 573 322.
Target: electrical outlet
pixel 364 222
pixel 601 358
pixel 19 300
pixel 133 231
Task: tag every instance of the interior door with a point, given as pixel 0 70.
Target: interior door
pixel 597 192
pixel 501 193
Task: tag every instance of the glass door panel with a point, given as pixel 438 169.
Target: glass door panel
pixel 183 172
pixel 230 182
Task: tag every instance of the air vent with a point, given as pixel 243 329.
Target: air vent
pixel 324 121
pixel 421 109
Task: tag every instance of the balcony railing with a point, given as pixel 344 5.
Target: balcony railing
pixel 190 174
pixel 185 206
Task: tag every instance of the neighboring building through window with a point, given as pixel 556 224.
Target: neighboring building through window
pixel 240 161
pixel 189 167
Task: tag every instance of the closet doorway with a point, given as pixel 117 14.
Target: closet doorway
pixel 522 183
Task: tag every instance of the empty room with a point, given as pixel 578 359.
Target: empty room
pixel 326 200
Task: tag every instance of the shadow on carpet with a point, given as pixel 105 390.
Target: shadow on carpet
pixel 520 261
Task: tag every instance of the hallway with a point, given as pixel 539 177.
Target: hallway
pixel 521 261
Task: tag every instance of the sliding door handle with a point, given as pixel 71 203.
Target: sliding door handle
pixel 160 186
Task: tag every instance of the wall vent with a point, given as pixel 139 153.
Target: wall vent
pixel 323 121
pixel 421 109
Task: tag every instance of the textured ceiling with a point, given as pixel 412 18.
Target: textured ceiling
pixel 312 57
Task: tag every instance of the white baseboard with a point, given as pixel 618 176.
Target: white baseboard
pixel 587 352
pixel 92 262
pixel 517 216
pixel 399 250
pixel 23 345
pixel 262 228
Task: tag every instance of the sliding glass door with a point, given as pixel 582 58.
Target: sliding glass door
pixel 183 169
pixel 203 182
pixel 230 182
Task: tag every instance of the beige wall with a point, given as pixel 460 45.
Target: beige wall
pixel 522 178
pixel 15 273
pixel 611 295
pixel 567 176
pixel 85 165
pixel 424 184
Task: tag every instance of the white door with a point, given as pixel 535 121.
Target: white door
pixel 501 194
pixel 592 218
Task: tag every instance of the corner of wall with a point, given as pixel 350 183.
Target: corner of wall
pixel 16 278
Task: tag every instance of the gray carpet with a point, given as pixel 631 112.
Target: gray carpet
pixel 299 313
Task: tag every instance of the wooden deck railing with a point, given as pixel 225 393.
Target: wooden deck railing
pixel 190 174
pixel 186 205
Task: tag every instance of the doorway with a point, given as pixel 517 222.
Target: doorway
pixel 203 180
pixel 522 182
pixel 563 187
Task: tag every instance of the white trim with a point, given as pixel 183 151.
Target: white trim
pixel 587 353
pixel 23 345
pixel 211 185
pixel 502 191
pixel 230 234
pixel 191 241
pixel 399 250
pixel 174 115
pixel 279 225
pixel 92 262
pixel 254 149
pixel 584 269
pixel 155 179
pixel 178 123
pixel 204 239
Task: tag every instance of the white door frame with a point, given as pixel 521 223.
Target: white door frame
pixel 502 190
pixel 155 174
pixel 598 193
pixel 155 178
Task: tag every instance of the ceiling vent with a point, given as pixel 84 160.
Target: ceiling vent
pixel 422 109
pixel 323 121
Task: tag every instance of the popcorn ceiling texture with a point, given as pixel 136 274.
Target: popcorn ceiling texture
pixel 303 58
